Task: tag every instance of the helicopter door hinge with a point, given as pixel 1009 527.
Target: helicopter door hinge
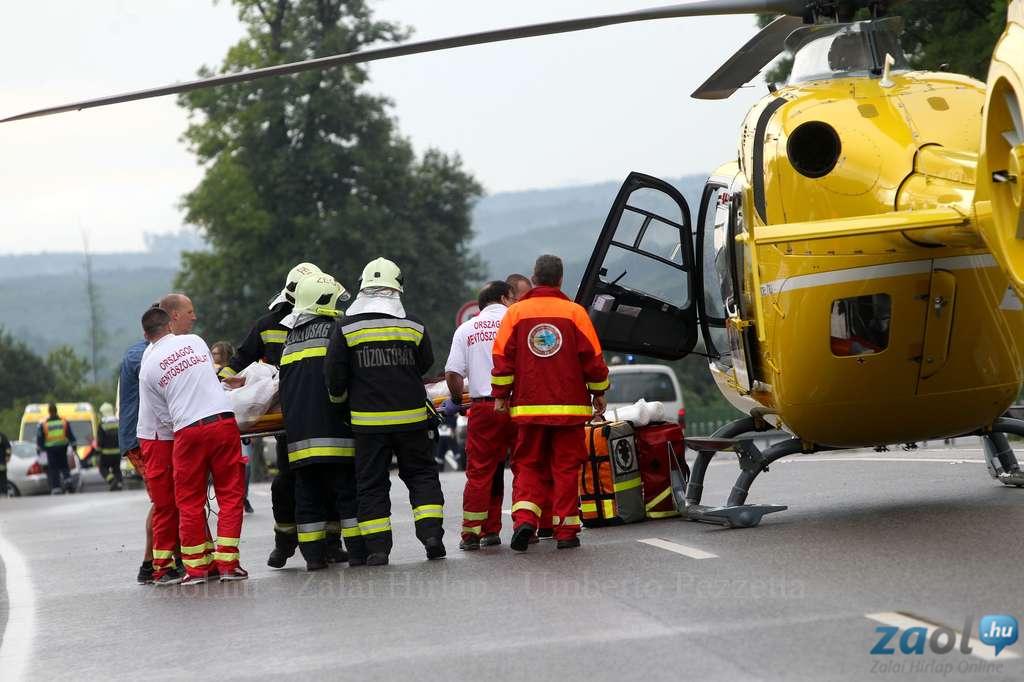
pixel 940 303
pixel 738 324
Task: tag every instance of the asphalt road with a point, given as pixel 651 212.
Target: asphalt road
pixel 924 535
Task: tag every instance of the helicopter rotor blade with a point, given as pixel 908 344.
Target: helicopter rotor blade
pixel 1014 137
pixel 749 60
pixel 687 9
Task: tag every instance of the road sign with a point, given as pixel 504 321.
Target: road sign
pixel 468 311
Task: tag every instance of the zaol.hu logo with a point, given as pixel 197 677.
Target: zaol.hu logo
pixel 998 631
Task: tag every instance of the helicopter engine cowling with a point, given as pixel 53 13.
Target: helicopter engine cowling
pixel 1000 195
pixel 847 147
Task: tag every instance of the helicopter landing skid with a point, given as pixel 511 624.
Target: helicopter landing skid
pixel 1002 462
pixel 735 513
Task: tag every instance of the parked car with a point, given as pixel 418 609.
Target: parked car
pixel 26 472
pixel 630 383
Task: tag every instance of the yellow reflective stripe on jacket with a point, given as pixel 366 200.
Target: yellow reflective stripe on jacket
pixel 285 527
pixel 474 516
pixel 427 511
pixel 598 385
pixel 227 542
pixel 657 500
pixel 303 354
pixel 628 484
pixel 325 451
pixel 226 372
pixel 353 532
pixel 194 549
pixel 196 563
pixel 372 526
pixel 507 380
pixel 383 334
pixel 396 418
pixel 552 410
pixel 273 335
pixel 53 433
pixel 163 554
pixel 523 504
pixel 312 536
pixel 570 521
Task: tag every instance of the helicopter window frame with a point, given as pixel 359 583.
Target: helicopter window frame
pixel 705 240
pixel 636 248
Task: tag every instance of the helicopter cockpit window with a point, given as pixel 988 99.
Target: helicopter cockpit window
pixel 843 50
pixel 860 325
pixel 646 254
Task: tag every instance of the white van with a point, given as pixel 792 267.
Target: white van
pixel 630 383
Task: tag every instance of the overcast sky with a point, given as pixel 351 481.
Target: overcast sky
pixel 536 113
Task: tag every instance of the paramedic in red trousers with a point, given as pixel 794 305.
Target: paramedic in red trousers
pixel 550 375
pixel 490 434
pixel 177 377
pixel 376 359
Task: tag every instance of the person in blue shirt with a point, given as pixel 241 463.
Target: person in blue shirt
pixel 128 414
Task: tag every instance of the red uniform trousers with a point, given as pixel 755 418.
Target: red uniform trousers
pixel 490 437
pixel 201 452
pixel 157 472
pixel 546 465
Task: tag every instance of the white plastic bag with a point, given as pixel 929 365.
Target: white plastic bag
pixel 640 413
pixel 257 396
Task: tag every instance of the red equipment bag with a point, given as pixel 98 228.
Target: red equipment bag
pixel 656 444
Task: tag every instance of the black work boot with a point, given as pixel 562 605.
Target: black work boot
pixel 284 549
pixel 568 543
pixel 470 544
pixel 333 552
pixel 377 560
pixel 521 537
pixel 435 548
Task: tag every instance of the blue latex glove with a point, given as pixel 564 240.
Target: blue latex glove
pixel 450 408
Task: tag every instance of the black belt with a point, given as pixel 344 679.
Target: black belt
pixel 483 400
pixel 209 420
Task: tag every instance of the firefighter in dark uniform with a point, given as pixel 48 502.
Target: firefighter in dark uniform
pixel 376 358
pixel 321 450
pixel 54 436
pixel 110 449
pixel 264 343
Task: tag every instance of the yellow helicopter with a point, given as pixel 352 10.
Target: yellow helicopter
pixel 856 275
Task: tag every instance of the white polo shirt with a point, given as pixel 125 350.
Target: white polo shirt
pixel 149 425
pixel 470 356
pixel 179 381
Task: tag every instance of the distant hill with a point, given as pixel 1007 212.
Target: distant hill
pixel 42 296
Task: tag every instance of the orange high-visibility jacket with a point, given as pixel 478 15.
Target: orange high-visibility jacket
pixel 548 358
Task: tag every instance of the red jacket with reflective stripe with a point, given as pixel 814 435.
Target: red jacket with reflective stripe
pixel 548 358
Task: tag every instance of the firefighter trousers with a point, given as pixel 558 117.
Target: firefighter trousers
pixel 157 457
pixel 205 451
pixel 546 464
pixel 282 499
pixel 110 468
pixel 417 469
pixel 325 499
pixel 490 437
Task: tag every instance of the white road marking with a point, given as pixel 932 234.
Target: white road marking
pixel 941 460
pixel 16 647
pixel 903 622
pixel 691 552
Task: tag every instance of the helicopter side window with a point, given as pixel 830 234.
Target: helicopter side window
pixel 860 325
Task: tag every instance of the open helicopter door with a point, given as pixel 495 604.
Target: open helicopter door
pixel 640 286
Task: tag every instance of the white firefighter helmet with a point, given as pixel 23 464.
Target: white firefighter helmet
pixel 381 273
pixel 317 294
pixel 287 294
pixel 106 410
